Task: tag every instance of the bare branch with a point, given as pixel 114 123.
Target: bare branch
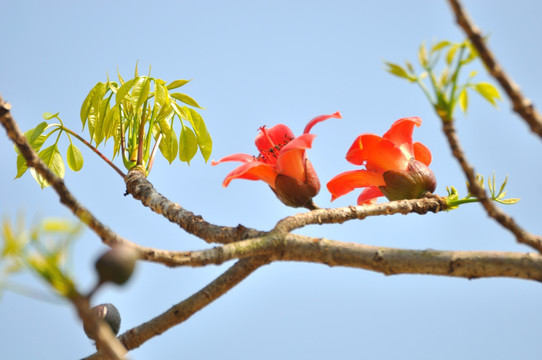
pixel 339 215
pixel 133 338
pixel 492 210
pixel 141 189
pixel 521 104
pixel 290 247
pixel 466 264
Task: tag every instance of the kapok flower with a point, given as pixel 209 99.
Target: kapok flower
pixel 282 163
pixel 394 166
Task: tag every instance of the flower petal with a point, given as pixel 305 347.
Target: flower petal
pixel 400 133
pixel 318 119
pixel 369 195
pixel 377 153
pixel 344 183
pixel 422 153
pixel 291 159
pixel 234 157
pixel 254 170
pixel 279 135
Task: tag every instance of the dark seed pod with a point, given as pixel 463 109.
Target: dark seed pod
pixel 108 313
pixel 116 265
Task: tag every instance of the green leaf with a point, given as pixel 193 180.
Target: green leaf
pixel 96 107
pixel 503 185
pixel 205 142
pixel 473 53
pixel 488 91
pixel 399 71
pixel 99 124
pixel 169 145
pixel 440 45
pixel 121 80
pixel 422 56
pixel 463 100
pixel 186 99
pixel 87 104
pixel 49 116
pixel 57 225
pixel 451 54
pixel 140 92
pixel 124 89
pixel 111 122
pixel 162 101
pixel 74 158
pixel 509 201
pixel 21 166
pixel 181 113
pixel 35 138
pixel 177 84
pixel 52 158
pixel 188 145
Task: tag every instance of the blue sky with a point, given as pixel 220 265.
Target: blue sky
pixel 257 63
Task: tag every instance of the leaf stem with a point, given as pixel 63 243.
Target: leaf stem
pixel 153 153
pixel 141 135
pixel 96 151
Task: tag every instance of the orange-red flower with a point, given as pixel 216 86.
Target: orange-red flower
pixel 394 166
pixel 282 163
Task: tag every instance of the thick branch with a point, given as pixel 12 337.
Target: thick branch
pixel 290 247
pixel 466 264
pixel 492 210
pixel 182 311
pixel 522 105
pixel 141 189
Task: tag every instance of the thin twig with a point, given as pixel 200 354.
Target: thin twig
pixel 339 215
pixel 492 210
pixel 521 104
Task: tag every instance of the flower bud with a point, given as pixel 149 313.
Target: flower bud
pixel 108 313
pixel 117 264
pixel 295 193
pixel 413 183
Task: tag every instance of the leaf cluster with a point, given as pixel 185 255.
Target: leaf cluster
pixel 454 201
pixel 139 115
pixel 43 249
pixel 447 90
pixel 50 155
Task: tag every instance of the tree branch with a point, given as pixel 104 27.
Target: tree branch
pixel 492 210
pixel 177 314
pixel 108 345
pixel 465 264
pixel 339 215
pixel 141 189
pixel 291 247
pixel 521 105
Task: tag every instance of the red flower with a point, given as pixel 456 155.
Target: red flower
pixel 282 163
pixel 394 166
